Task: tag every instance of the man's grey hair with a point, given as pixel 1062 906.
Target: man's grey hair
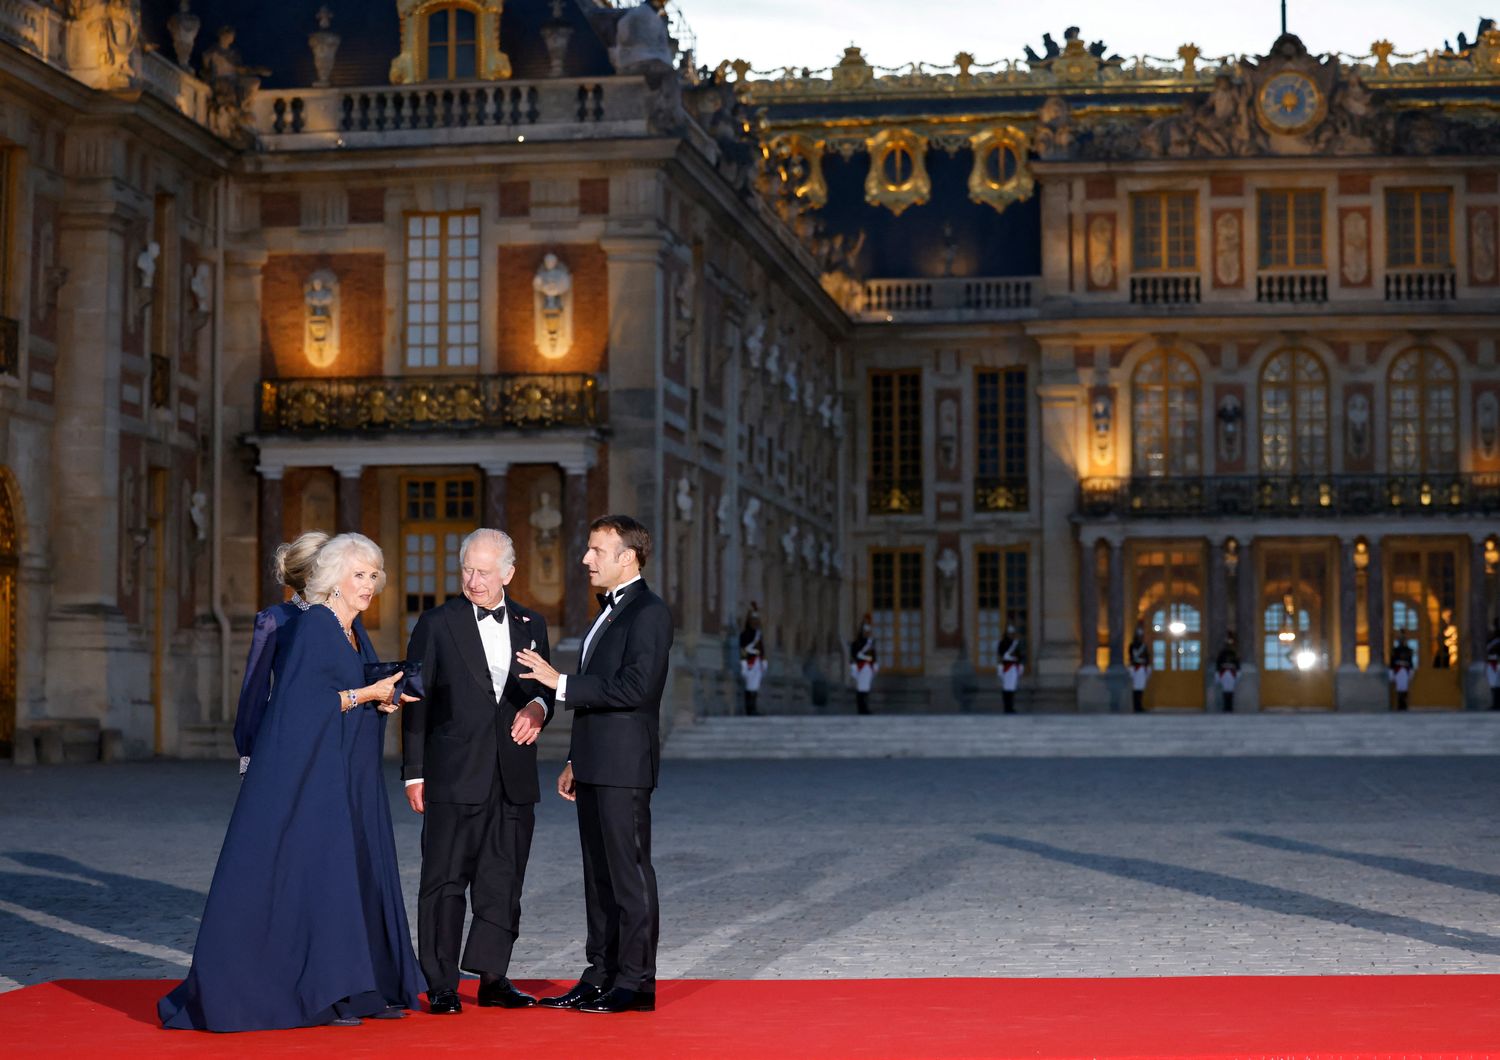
pixel 498 540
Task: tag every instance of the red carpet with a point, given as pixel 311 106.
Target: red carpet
pixel 1333 1016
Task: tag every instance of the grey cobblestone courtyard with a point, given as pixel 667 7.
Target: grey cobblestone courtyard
pixel 975 867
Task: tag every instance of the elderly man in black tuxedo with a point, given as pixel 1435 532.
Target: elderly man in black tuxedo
pixel 613 766
pixel 469 763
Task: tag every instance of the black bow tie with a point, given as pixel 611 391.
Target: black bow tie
pixel 610 599
pixel 498 614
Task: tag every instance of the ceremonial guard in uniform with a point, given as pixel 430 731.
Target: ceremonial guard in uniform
pixel 1010 657
pixel 1228 669
pixel 1403 662
pixel 1139 659
pixel 1492 664
pixel 863 666
pixel 752 657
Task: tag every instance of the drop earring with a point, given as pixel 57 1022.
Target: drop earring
pixel 336 594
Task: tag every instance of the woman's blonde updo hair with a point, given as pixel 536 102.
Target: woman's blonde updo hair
pixel 295 559
pixel 333 562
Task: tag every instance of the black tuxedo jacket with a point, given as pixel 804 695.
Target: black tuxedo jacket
pixel 616 700
pixel 456 737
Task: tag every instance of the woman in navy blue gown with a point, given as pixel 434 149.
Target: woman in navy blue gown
pixel 294 565
pixel 304 922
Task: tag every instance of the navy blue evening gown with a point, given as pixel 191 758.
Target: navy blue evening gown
pixel 304 920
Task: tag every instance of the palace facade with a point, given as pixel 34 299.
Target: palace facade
pixel 1076 344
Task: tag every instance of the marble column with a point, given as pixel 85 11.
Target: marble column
pixel 349 519
pixel 1348 606
pixel 1088 605
pixel 270 535
pixel 1247 627
pixel 495 486
pixel 1476 689
pixel 1247 630
pixel 1479 610
pixel 576 519
pixel 1116 604
pixel 1375 596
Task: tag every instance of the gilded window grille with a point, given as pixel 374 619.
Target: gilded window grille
pixel 442 290
pixel 1001 597
pixel 1291 228
pixel 1422 413
pixel 1419 228
pixel 1164 231
pixel 1166 415
pixel 437 511
pixel 428 403
pixel 895 485
pixel 1294 414
pixel 896 608
pixel 1001 482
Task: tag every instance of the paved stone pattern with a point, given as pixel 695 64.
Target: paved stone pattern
pixel 876 868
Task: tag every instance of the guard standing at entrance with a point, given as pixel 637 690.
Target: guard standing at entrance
pixel 1140 669
pixel 863 666
pixel 752 657
pixel 1403 662
pixel 1228 667
pixel 1010 654
pixel 1492 664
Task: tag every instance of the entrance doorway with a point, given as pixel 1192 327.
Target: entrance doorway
pixel 1424 613
pixel 437 513
pixel 1296 642
pixel 1168 591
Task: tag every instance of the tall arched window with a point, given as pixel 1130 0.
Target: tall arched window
pixel 1423 413
pixel 1166 421
pixel 1294 415
pixel 453 44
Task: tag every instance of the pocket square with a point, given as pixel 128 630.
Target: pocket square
pixel 411 676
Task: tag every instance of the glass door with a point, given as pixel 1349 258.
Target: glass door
pixel 1424 615
pixel 1169 588
pixel 1296 638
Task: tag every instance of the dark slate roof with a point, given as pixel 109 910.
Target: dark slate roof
pixel 273 34
pixel 915 244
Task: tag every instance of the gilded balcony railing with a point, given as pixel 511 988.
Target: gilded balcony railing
pixel 1307 496
pixel 1000 494
pixel 895 496
pixel 427 403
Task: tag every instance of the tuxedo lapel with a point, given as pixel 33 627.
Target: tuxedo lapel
pixel 520 640
pixel 630 596
pixel 466 635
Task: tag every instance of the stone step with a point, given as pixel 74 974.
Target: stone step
pixel 1128 736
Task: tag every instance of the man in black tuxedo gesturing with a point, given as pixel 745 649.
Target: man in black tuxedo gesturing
pixel 613 766
pixel 469 763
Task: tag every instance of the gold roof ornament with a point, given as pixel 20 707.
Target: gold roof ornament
pixel 410 66
pixel 898 170
pixel 1001 174
pixel 802 157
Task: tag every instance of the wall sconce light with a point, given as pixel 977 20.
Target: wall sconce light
pixel 1491 554
pixel 1361 555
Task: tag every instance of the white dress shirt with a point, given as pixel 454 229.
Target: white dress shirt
pixel 594 630
pixel 494 636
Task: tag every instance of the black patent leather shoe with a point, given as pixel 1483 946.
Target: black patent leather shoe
pixel 622 1000
pixel 581 994
pixel 502 994
pixel 444 1003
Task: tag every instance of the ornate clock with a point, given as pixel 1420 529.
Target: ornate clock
pixel 1290 104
